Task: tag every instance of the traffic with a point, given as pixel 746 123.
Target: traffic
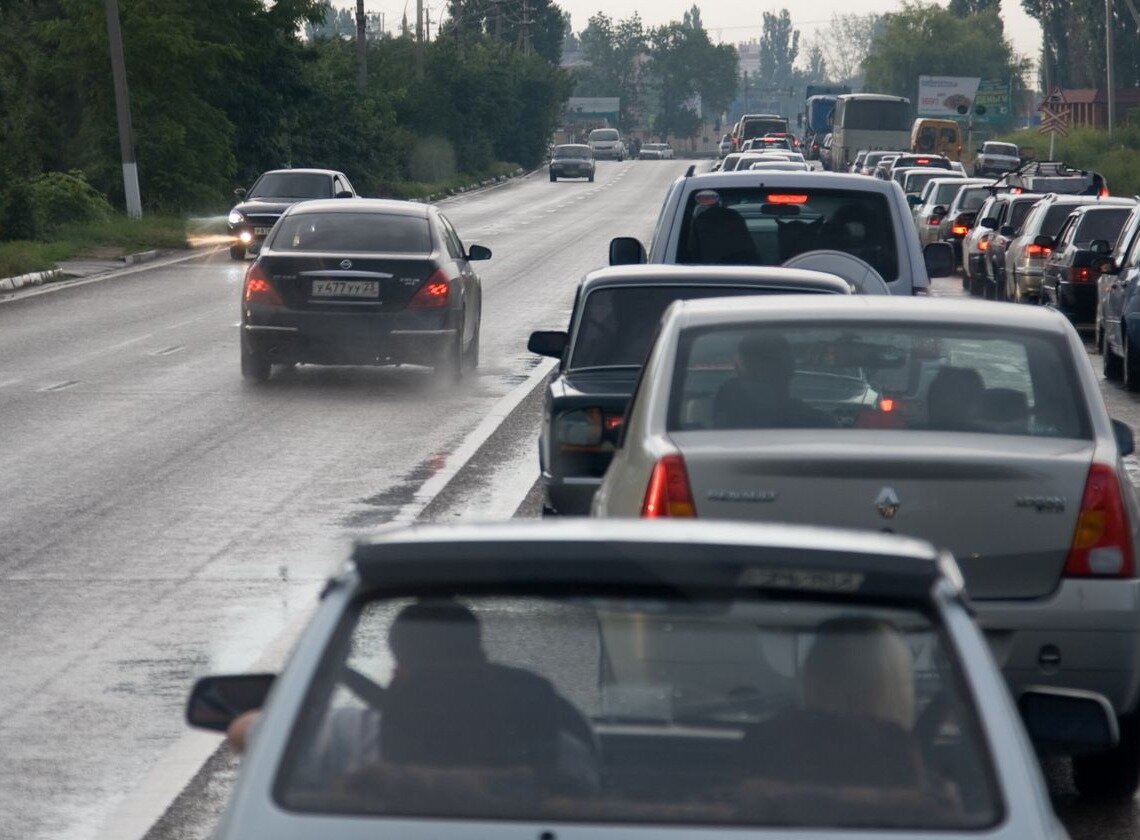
pixel 899 575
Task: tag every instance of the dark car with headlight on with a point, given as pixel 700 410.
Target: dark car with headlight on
pixel 572 161
pixel 362 282
pixel 612 325
pixel 274 191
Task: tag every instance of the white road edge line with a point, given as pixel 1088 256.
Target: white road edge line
pixel 140 809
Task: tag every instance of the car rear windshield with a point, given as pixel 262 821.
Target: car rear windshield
pixel 353 233
pixel 617 325
pixel 604 134
pixel 571 151
pixel 686 709
pixel 915 181
pixel 1007 149
pixel 972 198
pixel 1055 217
pixel 944 193
pixel 770 225
pixel 292 185
pixel 1102 224
pixel 870 376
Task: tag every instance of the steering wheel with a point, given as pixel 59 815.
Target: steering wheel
pixel 858 273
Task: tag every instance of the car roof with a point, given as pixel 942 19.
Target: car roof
pixel 386 206
pixel 663 274
pixel 809 180
pixel 873 308
pixel 1103 205
pixel 518 553
pixel 1091 200
pixel 329 172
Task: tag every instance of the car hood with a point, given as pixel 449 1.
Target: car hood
pixel 266 205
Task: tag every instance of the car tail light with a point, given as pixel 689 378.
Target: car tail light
pixel 1103 192
pixel 934 220
pixel 1102 542
pixel 1034 250
pixel 668 493
pixel 1080 274
pixel 258 289
pixel 586 430
pixel 983 244
pixel 435 293
pixel 959 230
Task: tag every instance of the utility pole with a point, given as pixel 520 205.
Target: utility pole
pixel 1108 33
pixel 123 112
pixel 420 39
pixel 525 35
pixel 361 48
pixel 427 23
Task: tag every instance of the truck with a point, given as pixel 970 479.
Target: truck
pixel 815 119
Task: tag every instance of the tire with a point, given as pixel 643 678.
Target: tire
pixel 1130 365
pixel 1114 775
pixel 553 178
pixel 237 252
pixel 450 366
pixel 590 178
pixel 1112 364
pixel 471 354
pixel 254 366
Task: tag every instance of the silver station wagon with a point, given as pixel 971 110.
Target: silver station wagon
pixel 608 679
pixel 977 426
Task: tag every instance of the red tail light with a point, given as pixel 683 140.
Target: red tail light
pixel 1083 274
pixel 435 293
pixel 1102 542
pixel 668 493
pixel 934 220
pixel 1032 250
pixel 959 230
pixel 1103 192
pixel 983 244
pixel 258 289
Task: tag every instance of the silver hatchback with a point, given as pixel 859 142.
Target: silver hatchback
pixel 979 427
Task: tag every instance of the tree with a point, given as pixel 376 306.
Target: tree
pixel 816 64
pixel 779 46
pixel 965 8
pixel 845 43
pixel 1073 43
pixel 613 55
pixel 537 25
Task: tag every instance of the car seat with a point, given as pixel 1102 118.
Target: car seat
pixel 953 399
pixel 721 237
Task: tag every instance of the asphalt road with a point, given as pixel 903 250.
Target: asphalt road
pixel 162 519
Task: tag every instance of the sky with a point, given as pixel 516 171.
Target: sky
pixel 728 20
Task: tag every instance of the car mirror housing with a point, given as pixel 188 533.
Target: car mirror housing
pixel 1007 230
pixel 1069 721
pixel 625 250
pixel 240 192
pixel 548 343
pixel 215 702
pixel 989 222
pixel 913 200
pixel 939 210
pixel 478 252
pixel 1100 246
pixel 1108 267
pixel 1125 442
pixel 1043 240
pixel 344 194
pixel 939 259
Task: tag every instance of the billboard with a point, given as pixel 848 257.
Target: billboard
pixel 941 96
pixel 993 95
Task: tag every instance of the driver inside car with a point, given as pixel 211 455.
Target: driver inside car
pixel 759 395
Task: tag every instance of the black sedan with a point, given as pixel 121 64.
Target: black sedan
pixel 362 282
pixel 260 208
pixel 1084 242
pixel 612 325
pixel 572 161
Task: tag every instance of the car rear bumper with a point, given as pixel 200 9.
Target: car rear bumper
pixel 572 171
pixel 569 495
pixel 1085 635
pixel 608 154
pixel 1077 301
pixel 1029 281
pixel 287 336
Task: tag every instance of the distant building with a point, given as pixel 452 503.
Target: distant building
pixel 1089 106
pixel 748 60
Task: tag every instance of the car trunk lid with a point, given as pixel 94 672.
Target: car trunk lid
pixel 326 282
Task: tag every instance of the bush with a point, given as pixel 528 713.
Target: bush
pixel 62 198
pixel 431 159
pixel 17 213
pixel 1116 157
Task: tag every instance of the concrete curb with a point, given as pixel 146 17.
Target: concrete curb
pixel 38 278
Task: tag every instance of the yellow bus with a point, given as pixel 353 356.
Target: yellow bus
pixel 936 137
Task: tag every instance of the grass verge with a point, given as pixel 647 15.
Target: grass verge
pixel 1117 158
pixel 108 239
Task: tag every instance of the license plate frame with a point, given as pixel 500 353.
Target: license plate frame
pixel 262 231
pixel 331 289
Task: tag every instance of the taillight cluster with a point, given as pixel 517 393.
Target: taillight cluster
pixel 1033 250
pixel 258 289
pixel 959 230
pixel 435 293
pixel 586 430
pixel 669 493
pixel 1102 541
pixel 1081 274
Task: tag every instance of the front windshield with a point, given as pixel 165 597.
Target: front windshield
pixel 769 226
pixel 605 134
pixel 292 185
pixel 1102 224
pixel 1007 149
pixel 706 711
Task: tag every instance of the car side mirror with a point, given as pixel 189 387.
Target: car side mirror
pixel 1125 441
pixel 216 701
pixel 1108 267
pixel 1068 720
pixel 939 259
pixel 913 200
pixel 625 250
pixel 989 223
pixel 548 343
pixel 938 210
pixel 980 150
pixel 478 252
pixel 240 192
pixel 344 194
pixel 1007 230
pixel 1043 240
pixel 1100 246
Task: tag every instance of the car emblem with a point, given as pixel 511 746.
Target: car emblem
pixel 346 264
pixel 887 503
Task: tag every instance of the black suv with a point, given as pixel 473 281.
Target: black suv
pixel 1054 176
pixel 271 194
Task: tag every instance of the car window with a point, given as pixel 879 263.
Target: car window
pixel 945 193
pixel 571 151
pixel 352 232
pixel 604 134
pixel 1065 234
pixel 769 226
pixel 1133 258
pixel 1019 213
pixel 616 324
pixel 292 185
pixel 1101 224
pixel 1053 218
pixel 972 198
pixel 990 209
pixel 1000 149
pixel 694 709
pixel 454 245
pixel 869 376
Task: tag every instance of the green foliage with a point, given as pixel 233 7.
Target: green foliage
pixel 1074 53
pixel 779 46
pixel 1116 157
pixel 115 233
pixel 61 198
pixel 17 212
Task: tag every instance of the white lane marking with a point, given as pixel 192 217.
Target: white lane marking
pixel 8 382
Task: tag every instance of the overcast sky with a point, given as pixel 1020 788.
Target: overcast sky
pixel 728 20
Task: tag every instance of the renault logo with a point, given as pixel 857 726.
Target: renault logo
pixel 346 264
pixel 887 503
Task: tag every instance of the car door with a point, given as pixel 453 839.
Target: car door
pixel 1122 298
pixel 1108 291
pixel 1057 265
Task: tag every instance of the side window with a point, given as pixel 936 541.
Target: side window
pixel 1065 234
pixel 346 185
pixel 454 245
pixel 1133 259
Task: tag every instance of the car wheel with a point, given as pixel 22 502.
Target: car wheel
pixel 1111 362
pixel 254 366
pixel 590 178
pixel 553 177
pixel 1113 775
pixel 1130 365
pixel 237 252
pixel 977 286
pixel 450 365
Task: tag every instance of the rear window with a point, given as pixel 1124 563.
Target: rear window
pixel 944 193
pixel 353 232
pixel 1102 224
pixel 292 185
pixel 1020 210
pixel 769 226
pixel 915 181
pixel 617 325
pixel 1000 149
pixel 666 706
pixel 972 198
pixel 868 376
pixel 571 151
pixel 1055 217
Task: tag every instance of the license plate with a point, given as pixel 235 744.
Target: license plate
pixel 346 288
pixel 261 231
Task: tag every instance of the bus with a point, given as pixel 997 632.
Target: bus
pixel 936 137
pixel 868 121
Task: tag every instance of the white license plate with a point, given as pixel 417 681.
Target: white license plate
pixel 346 288
pixel 261 231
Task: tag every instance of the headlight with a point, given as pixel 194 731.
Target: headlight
pixel 236 218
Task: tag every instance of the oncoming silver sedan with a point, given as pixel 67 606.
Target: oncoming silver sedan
pixel 978 427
